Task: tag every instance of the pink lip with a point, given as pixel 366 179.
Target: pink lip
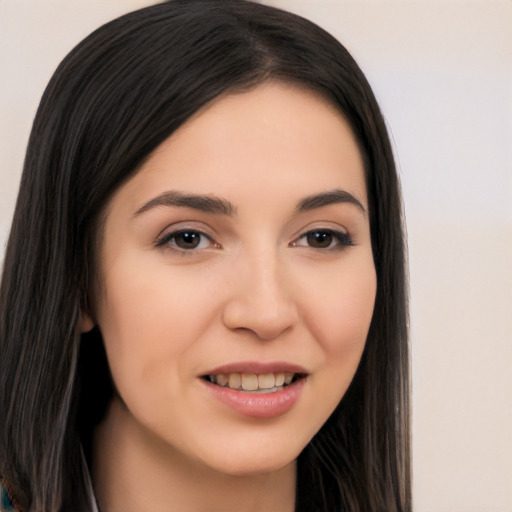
pixel 258 405
pixel 257 367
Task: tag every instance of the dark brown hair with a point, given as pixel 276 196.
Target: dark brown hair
pixel 111 102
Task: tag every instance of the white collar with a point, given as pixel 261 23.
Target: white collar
pixel 88 483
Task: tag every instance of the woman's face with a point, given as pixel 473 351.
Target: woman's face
pixel 238 281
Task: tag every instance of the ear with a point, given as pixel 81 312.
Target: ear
pixel 86 323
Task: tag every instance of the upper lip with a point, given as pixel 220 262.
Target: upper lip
pixel 258 368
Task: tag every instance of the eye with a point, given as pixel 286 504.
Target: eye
pixel 323 239
pixel 186 240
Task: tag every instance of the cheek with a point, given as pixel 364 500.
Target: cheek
pixel 149 320
pixel 339 311
pixel 339 317
pixel 347 319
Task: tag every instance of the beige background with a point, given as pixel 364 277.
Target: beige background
pixel 442 71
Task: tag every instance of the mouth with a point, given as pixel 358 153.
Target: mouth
pixel 253 382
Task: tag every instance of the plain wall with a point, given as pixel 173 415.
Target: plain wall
pixel 442 71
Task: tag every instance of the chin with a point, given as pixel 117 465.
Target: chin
pixel 254 462
pixel 241 468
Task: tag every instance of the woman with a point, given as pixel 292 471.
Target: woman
pixel 204 285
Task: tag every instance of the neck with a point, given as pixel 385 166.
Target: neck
pixel 132 472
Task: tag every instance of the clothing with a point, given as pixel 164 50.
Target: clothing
pixel 6 504
pixel 88 483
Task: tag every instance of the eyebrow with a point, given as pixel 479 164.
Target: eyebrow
pixel 328 198
pixel 203 203
pixel 219 206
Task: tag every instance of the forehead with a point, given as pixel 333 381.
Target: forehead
pixel 276 139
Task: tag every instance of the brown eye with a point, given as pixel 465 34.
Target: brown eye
pixel 187 239
pixel 320 239
pixel 323 239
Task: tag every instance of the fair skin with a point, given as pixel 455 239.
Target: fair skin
pixel 240 251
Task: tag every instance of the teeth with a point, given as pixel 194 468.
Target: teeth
pixel 234 381
pixel 222 380
pixel 266 381
pixel 269 382
pixel 249 382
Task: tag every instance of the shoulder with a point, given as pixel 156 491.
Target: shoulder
pixel 6 504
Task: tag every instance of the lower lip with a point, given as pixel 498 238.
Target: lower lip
pixel 259 405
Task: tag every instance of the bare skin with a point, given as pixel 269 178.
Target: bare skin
pixel 239 255
pixel 163 480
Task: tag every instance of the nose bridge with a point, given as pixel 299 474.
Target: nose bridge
pixel 261 300
pixel 267 279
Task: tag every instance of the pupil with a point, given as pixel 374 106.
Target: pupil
pixel 187 240
pixel 319 239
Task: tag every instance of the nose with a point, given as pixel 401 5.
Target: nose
pixel 260 298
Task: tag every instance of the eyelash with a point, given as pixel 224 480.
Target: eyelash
pixel 341 239
pixel 166 241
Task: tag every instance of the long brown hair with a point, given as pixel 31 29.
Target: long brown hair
pixel 112 101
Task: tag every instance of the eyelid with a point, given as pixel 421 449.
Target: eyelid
pixel 171 232
pixel 343 237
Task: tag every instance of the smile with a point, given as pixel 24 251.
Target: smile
pixel 254 383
